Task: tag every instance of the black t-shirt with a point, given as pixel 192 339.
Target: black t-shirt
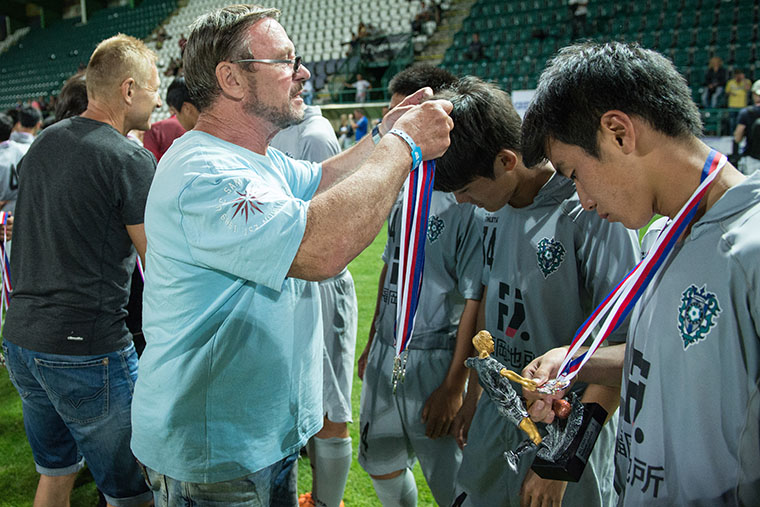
pixel 747 117
pixel 80 184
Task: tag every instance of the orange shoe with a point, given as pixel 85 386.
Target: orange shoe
pixel 306 500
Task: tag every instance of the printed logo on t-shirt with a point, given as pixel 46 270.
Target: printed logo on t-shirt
pixel 244 204
pixel 550 254
pixel 435 228
pixel 697 314
pixel 242 209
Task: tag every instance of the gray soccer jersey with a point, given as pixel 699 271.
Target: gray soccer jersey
pixel 547 266
pixel 453 263
pixel 690 407
pixel 314 139
pixel 392 432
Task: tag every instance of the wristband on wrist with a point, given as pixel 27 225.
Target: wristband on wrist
pixel 416 152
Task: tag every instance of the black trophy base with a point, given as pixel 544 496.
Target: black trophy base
pixel 570 463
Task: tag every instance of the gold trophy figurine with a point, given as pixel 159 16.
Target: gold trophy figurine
pixel 495 380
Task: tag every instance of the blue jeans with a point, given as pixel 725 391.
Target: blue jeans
pixel 274 486
pixel 77 408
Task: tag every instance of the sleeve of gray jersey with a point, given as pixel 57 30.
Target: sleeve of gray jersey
pixel 319 142
pixel 607 252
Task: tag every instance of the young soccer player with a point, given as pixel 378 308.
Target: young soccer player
pixel 547 263
pixel 619 120
pixel 413 422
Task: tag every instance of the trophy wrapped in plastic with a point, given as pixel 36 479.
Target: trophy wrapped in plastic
pixel 563 452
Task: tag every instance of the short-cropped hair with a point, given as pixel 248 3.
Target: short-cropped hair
pixel 215 37
pixel 419 76
pixel 485 122
pixel 29 116
pixel 584 81
pixel 6 126
pixel 116 59
pixel 177 94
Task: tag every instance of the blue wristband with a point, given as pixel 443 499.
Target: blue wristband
pixel 416 152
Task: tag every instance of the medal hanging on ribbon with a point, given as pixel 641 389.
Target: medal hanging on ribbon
pixel 5 273
pixel 414 219
pixel 618 304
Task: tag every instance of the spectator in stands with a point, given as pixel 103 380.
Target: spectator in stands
pixel 361 85
pixel 737 94
pixel 28 123
pixel 72 100
pixel 229 387
pixel 161 36
pixel 82 197
pixel 714 84
pixel 737 90
pixel 748 126
pixel 345 132
pixel 360 123
pixel 475 49
pixel 578 12
pixel 424 14
pixel 162 133
pixel 308 92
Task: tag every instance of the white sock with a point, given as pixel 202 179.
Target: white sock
pixel 400 491
pixel 330 461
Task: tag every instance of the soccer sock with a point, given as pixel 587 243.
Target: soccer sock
pixel 400 491
pixel 330 459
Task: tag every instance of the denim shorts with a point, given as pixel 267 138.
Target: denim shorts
pixel 275 486
pixel 77 409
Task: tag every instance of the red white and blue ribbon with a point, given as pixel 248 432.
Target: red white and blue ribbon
pixel 415 210
pixel 5 272
pixel 618 304
pixel 140 268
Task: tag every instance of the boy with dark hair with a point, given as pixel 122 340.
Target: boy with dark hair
pixel 539 248
pixel 28 123
pixel 6 126
pixel 397 428
pixel 162 133
pixel 181 104
pixel 688 430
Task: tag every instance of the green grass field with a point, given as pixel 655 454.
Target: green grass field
pixel 18 478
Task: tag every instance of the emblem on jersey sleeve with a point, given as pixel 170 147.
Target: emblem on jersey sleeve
pixel 697 314
pixel 435 228
pixel 550 254
pixel 244 204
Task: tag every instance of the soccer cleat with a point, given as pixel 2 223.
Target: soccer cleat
pixel 306 500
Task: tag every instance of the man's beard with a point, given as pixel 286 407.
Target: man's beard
pixel 282 117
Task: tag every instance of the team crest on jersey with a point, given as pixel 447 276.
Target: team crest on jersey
pixel 550 253
pixel 435 228
pixel 697 314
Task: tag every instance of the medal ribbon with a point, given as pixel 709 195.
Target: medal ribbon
pixel 5 271
pixel 618 303
pixel 414 219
